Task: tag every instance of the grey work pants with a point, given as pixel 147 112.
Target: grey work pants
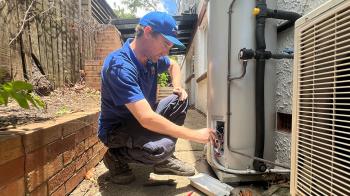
pixel 131 142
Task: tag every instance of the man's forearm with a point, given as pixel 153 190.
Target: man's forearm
pixel 175 74
pixel 159 124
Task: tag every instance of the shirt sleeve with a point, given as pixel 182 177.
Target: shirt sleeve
pixel 123 83
pixel 163 64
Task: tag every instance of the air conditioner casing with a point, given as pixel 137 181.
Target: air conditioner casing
pixel 320 154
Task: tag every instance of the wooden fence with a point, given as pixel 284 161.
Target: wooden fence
pixel 57 36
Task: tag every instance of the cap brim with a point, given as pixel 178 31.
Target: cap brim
pixel 175 41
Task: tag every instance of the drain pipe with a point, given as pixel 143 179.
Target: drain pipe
pixel 259 85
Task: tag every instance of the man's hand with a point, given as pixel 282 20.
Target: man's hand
pixel 205 135
pixel 180 92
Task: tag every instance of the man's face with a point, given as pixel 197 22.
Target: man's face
pixel 159 46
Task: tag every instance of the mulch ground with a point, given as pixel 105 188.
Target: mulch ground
pixel 60 102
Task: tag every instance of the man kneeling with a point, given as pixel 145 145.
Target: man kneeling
pixel 132 125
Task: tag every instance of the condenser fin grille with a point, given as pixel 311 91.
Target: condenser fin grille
pixel 323 105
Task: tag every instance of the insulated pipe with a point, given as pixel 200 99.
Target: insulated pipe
pixel 291 17
pixel 282 56
pixel 259 86
pixel 283 15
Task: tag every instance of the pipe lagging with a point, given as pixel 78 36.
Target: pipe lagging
pixel 259 87
pixel 283 15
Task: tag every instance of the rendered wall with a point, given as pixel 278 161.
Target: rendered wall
pixel 284 71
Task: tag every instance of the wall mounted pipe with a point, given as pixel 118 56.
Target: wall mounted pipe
pixel 228 119
pixel 260 86
pixel 291 17
pixel 283 15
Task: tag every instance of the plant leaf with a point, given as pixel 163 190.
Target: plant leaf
pixel 7 87
pixel 4 96
pixel 31 100
pixel 38 101
pixel 21 85
pixel 21 99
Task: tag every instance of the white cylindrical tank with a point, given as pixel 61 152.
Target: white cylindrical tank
pixel 242 122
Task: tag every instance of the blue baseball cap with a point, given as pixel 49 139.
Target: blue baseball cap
pixel 163 23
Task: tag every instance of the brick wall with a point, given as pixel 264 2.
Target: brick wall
pixel 107 41
pixel 49 158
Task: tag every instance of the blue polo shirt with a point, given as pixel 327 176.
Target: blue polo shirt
pixel 125 80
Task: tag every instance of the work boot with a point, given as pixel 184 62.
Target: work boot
pixel 120 172
pixel 175 166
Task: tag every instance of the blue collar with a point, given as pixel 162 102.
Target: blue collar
pixel 132 55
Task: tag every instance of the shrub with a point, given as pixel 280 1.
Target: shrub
pixel 21 92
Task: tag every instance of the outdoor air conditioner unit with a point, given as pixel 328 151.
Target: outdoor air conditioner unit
pixel 321 102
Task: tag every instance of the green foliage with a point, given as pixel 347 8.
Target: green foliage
pixel 63 110
pixel 122 13
pixel 132 7
pixel 20 91
pixel 163 79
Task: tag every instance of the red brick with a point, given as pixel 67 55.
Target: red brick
pixel 95 126
pixel 97 147
pixel 61 145
pixel 36 159
pixel 68 156
pixel 76 124
pixel 89 153
pixel 83 133
pixel 47 153
pixel 93 79
pixel 41 174
pixel 81 161
pixel 61 177
pixel 93 162
pixel 103 151
pixel 94 85
pixel 79 149
pixel 91 140
pixel 11 171
pixel 92 62
pixel 35 139
pixel 11 147
pixel 14 188
pixel 40 191
pixel 75 180
pixel 93 73
pixel 60 191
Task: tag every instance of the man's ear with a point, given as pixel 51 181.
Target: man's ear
pixel 147 30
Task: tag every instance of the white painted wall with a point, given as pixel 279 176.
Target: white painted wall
pixel 201 65
pixel 196 63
